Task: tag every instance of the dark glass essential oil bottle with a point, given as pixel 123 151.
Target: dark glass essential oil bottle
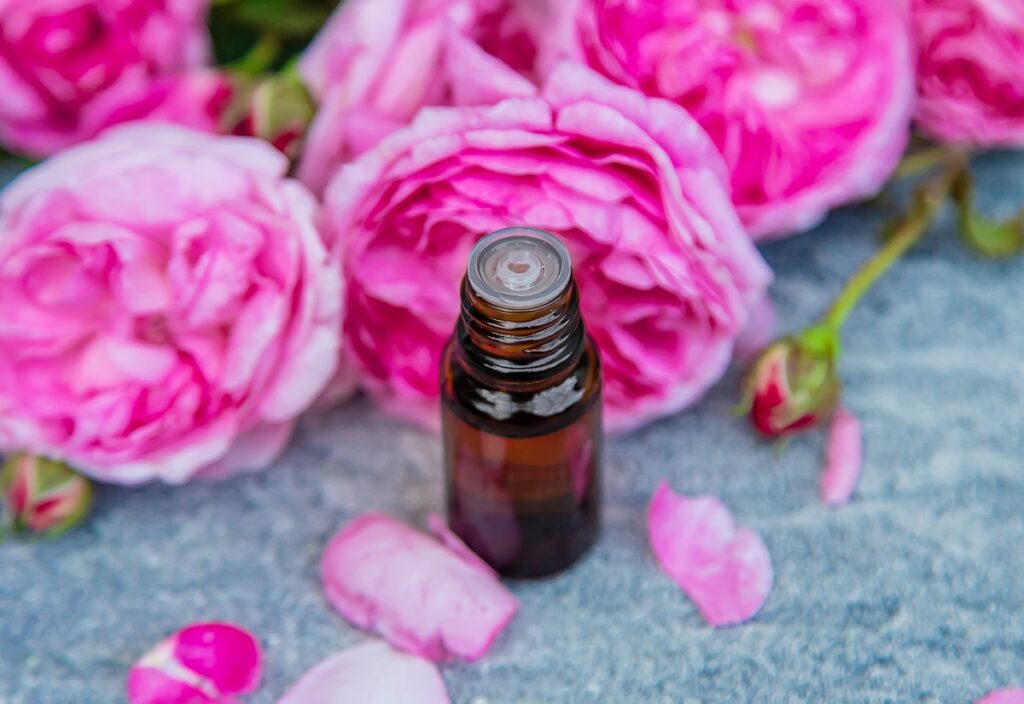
pixel 521 409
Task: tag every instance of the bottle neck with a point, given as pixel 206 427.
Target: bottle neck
pixel 521 345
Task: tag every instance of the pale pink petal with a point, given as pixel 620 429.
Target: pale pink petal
pixel 204 662
pixel 758 332
pixel 424 598
pixel 442 532
pixel 369 674
pixel 148 685
pixel 477 78
pixel 843 458
pixel 253 450
pixel 726 570
pixel 1003 696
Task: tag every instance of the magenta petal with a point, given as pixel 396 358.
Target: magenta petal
pixel 1003 696
pixel 204 662
pixel 369 674
pixel 843 458
pixel 422 596
pixel 725 570
pixel 226 655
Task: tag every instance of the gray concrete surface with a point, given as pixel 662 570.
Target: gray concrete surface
pixel 913 593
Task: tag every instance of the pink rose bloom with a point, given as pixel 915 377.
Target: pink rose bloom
pixel 377 62
pixel 70 68
pixel 205 663
pixel 430 597
pixel 633 187
pixel 808 100
pixel 970 82
pixel 168 306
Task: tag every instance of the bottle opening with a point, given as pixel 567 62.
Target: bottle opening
pixel 519 268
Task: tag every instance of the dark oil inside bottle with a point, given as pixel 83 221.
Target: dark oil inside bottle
pixel 521 410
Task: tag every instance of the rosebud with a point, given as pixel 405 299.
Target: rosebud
pixel 277 109
pixel 794 385
pixel 43 496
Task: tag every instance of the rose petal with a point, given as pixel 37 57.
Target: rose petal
pixel 1003 696
pixel 843 458
pixel 204 662
pixel 758 332
pixel 423 597
pixel 226 655
pixel 725 570
pixel 369 674
pixel 442 532
pixel 148 685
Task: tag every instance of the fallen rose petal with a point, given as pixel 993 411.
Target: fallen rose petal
pixel 725 570
pixel 204 662
pixel 843 458
pixel 422 596
pixel 369 674
pixel 442 532
pixel 1003 696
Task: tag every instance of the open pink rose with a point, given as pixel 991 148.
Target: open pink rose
pixel 70 68
pixel 970 81
pixel 633 187
pixel 205 663
pixel 808 100
pixel 430 597
pixel 168 306
pixel 377 62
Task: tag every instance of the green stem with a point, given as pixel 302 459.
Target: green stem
pixel 921 160
pixel 261 56
pixel 908 230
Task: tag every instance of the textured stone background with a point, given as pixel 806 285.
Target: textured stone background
pixel 914 592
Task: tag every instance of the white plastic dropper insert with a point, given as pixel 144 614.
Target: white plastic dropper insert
pixel 519 268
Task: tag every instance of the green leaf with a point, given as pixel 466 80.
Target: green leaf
pixel 287 18
pixel 239 25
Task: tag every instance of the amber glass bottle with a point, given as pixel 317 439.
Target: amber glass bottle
pixel 521 409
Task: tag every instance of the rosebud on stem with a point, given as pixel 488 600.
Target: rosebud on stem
pixel 794 384
pixel 43 496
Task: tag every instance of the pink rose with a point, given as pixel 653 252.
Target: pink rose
pixel 969 70
pixel 70 68
pixel 631 184
pixel 168 306
pixel 377 62
pixel 808 100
